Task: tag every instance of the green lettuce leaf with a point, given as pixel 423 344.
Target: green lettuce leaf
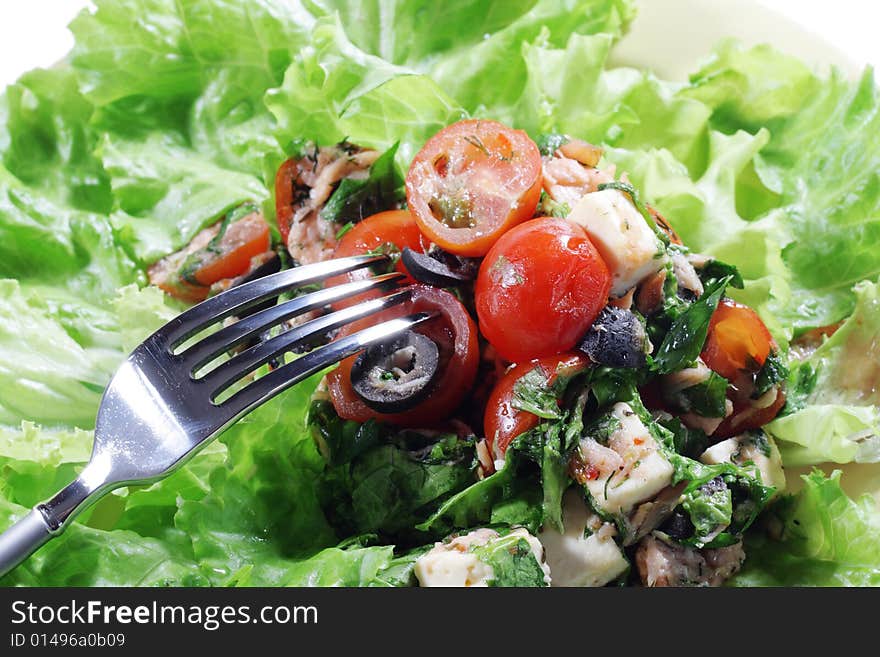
pixel 829 213
pixel 37 462
pixel 92 557
pixel 748 89
pixel 166 193
pixel 827 540
pixel 46 375
pixel 472 53
pixel 495 64
pixel 268 488
pixel 334 90
pixel 838 420
pixel 342 567
pixel 56 358
pixel 627 108
pixel 46 141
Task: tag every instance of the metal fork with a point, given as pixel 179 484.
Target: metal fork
pixel 159 409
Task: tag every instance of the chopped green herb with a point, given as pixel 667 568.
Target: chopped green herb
pixel 547 207
pixel 710 508
pixel 685 338
pixel 342 231
pixel 687 442
pixel 533 394
pixel 708 398
pixel 512 561
pixel 801 383
pixel 773 371
pixel 353 200
pixel 716 269
pixel 549 143
pixel 504 272
pixel 475 141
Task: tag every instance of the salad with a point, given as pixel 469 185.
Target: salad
pixel 655 302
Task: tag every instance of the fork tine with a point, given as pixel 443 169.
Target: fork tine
pixel 249 294
pixel 242 364
pixel 231 336
pixel 308 364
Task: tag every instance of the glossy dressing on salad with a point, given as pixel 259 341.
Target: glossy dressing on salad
pixel 582 353
pixel 213 142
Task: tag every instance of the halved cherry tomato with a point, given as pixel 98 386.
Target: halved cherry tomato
pixel 737 341
pixel 285 183
pixel 747 416
pixel 502 421
pixel 211 257
pixel 540 288
pixel 389 231
pixel 231 256
pixel 471 182
pixel 456 337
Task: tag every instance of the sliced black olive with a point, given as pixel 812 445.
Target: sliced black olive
pixel 439 268
pixel 270 266
pixel 396 375
pixel 617 339
pixel 678 526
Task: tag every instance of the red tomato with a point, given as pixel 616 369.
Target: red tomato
pixel 502 421
pixel 540 288
pixel 284 189
pixel 737 340
pixel 396 228
pixel 231 257
pixel 189 273
pixel 747 416
pixel 471 182
pixel 456 337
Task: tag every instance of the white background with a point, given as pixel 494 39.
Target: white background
pixel 34 33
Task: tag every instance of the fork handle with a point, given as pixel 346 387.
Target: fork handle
pixel 22 539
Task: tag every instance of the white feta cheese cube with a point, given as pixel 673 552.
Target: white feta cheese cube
pixel 455 564
pixel 576 560
pixel 452 568
pixel 758 449
pixel 645 471
pixel 625 240
pixel 537 550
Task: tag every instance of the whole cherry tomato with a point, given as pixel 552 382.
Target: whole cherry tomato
pixel 540 288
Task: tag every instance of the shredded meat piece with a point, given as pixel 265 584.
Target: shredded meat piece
pixel 624 302
pixel 667 564
pixel 238 240
pixel 605 460
pixel 686 276
pixel 311 238
pixel 649 294
pixel 566 180
pixel 650 515
pixel 686 378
